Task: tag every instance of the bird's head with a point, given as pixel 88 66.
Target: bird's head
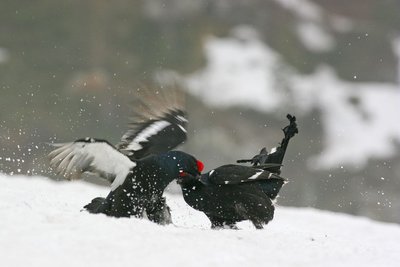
pixel 184 166
pixel 192 175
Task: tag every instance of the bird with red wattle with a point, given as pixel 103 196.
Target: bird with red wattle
pixel 141 166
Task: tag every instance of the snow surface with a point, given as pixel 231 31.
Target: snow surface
pixel 42 225
pixel 243 71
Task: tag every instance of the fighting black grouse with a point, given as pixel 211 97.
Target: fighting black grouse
pixel 141 165
pixel 233 193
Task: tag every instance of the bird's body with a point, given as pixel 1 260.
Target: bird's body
pixel 226 205
pixel 141 192
pixel 233 193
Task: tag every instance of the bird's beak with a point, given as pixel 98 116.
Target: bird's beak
pixel 187 177
pixel 179 180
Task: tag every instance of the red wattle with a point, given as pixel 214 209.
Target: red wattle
pixel 200 166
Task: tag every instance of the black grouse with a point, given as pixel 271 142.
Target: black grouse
pixel 233 193
pixel 141 166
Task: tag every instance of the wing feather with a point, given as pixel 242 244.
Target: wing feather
pixel 90 155
pixel 235 174
pixel 158 122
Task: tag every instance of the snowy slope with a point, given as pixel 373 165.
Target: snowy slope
pixel 41 225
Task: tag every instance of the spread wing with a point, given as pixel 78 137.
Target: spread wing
pixel 93 156
pixel 236 174
pixel 158 123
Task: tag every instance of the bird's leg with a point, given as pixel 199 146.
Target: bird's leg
pixel 160 212
pixel 258 225
pixel 231 226
pixel 218 223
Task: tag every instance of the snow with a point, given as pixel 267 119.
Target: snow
pixel 42 225
pixel 314 37
pixel 353 132
pixel 243 71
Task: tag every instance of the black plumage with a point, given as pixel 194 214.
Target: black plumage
pixel 140 194
pixel 233 193
pixel 141 165
pixel 265 159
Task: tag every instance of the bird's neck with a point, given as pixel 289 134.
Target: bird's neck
pixel 169 166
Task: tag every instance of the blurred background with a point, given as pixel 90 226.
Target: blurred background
pixel 70 69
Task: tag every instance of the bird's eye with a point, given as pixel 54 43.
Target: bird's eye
pixel 182 173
